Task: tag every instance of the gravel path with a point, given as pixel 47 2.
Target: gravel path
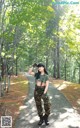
pixel 62 114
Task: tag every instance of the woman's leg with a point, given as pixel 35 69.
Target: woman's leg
pixel 46 107
pixel 38 102
pixel 46 104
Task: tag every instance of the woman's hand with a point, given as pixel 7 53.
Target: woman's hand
pixel 31 71
pixel 44 92
pixel 46 87
pixel 34 65
pixel 44 95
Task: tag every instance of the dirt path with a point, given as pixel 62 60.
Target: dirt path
pixel 62 114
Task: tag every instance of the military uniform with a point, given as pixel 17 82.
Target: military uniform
pixel 39 95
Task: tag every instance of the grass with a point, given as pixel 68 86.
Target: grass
pixel 10 103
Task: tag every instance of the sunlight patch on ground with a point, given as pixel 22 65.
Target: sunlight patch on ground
pixel 36 118
pixel 50 97
pixel 31 82
pixel 78 101
pixel 57 96
pixel 27 115
pixel 24 97
pixel 76 88
pixel 24 82
pixel 67 82
pixel 22 107
pixel 69 110
pixel 57 85
pixel 63 86
pixel 31 100
pixel 16 113
pixel 33 109
pixel 68 118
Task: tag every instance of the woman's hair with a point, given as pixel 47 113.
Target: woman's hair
pixel 37 75
pixel 42 65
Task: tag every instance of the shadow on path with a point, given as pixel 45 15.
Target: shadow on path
pixel 62 114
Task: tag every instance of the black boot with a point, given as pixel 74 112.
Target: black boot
pixel 41 120
pixel 46 119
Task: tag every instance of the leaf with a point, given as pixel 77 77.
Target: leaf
pixel 49 8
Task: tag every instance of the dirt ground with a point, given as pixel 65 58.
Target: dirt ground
pixel 70 90
pixel 10 103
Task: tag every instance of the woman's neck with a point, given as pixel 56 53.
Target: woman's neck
pixel 42 73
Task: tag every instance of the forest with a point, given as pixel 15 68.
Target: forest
pixel 33 31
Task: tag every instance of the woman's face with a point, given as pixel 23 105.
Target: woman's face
pixel 41 69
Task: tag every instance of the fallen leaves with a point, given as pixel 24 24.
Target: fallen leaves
pixel 70 90
pixel 10 103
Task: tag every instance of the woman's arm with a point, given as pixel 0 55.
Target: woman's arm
pixel 31 71
pixel 46 88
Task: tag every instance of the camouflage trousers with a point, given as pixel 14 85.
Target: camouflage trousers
pixel 39 96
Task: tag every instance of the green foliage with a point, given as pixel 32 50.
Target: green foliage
pixel 31 30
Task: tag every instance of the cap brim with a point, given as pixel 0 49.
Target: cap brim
pixel 40 65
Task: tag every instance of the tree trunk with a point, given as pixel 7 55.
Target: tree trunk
pixel 47 63
pixel 16 66
pixel 2 6
pixel 65 70
pixel 54 63
pixel 58 52
pixel 58 62
pixel 79 74
pixel 2 68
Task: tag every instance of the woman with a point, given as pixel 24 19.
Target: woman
pixel 41 88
